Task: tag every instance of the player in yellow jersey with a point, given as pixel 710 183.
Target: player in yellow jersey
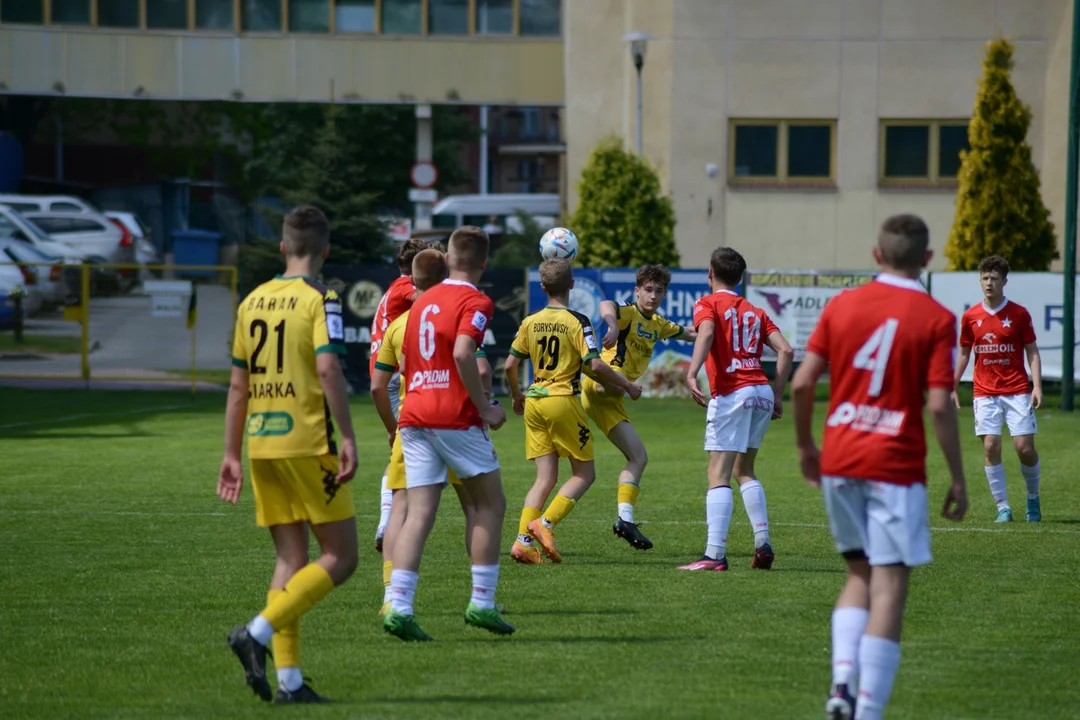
pixel 286 384
pixel 560 343
pixel 633 331
pixel 428 269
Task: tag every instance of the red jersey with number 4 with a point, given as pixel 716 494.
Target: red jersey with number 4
pixel 435 396
pixel 886 343
pixel 734 360
pixel 997 339
pixel 395 301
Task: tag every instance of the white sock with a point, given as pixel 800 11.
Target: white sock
pixel 848 626
pixel 260 630
pixel 879 659
pixel 403 590
pixel 387 502
pixel 1031 478
pixel 626 512
pixel 995 475
pixel 718 504
pixel 753 497
pixel 485 578
pixel 387 594
pixel 289 679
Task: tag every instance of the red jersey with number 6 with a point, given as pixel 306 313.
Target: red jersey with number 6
pixel 997 339
pixel 886 343
pixel 435 397
pixel 734 360
pixel 395 301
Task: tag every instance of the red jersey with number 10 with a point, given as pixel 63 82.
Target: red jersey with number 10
pixel 886 343
pixel 734 360
pixel 435 397
pixel 395 301
pixel 997 339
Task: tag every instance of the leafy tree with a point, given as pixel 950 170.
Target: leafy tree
pixel 622 219
pixel 520 247
pixel 999 209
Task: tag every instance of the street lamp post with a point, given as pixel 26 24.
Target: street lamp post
pixel 638 43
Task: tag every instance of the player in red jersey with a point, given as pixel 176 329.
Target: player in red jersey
pixel 396 300
pixel 1000 333
pixel 731 335
pixel 888 345
pixel 442 425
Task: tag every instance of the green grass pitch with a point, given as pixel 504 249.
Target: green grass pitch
pixel 121 573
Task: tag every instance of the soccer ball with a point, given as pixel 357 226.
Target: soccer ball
pixel 558 243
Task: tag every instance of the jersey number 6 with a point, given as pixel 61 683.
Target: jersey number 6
pixel 427 332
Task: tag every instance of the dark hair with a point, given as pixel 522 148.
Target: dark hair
pixel 305 232
pixel 657 274
pixel 904 240
pixel 727 265
pixel 410 249
pixel 994 263
pixel 428 268
pixel 556 276
pixel 468 248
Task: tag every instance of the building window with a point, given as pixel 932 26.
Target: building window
pixel 402 17
pixel 494 17
pixel 71 12
pixel 260 15
pixel 922 151
pixel 22 11
pixel 448 17
pixel 540 17
pixel 118 13
pixel 354 16
pixel 166 14
pixel 309 16
pixel 214 15
pixel 781 151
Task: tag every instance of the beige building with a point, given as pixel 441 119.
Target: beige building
pixel 787 128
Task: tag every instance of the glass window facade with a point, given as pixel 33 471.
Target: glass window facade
pixel 354 16
pixel 118 13
pixel 541 17
pixel 260 15
pixel 166 14
pixel 214 14
pixel 402 17
pixel 22 11
pixel 448 17
pixel 70 12
pixel 494 17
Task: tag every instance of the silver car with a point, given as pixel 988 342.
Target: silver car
pixel 94 236
pixel 49 278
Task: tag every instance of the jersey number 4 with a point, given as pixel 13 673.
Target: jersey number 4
pixel 874 355
pixel 260 328
pixel 751 330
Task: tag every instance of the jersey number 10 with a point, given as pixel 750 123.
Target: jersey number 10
pixel 260 328
pixel 751 330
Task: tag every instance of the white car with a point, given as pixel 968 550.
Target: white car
pixel 23 278
pixel 49 271
pixel 92 235
pixel 145 251
pixel 14 225
pixel 47 203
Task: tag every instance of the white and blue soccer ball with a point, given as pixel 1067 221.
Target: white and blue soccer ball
pixel 559 243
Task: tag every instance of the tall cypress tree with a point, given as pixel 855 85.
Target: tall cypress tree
pixel 999 209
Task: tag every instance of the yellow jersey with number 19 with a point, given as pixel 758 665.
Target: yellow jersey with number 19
pixel 280 328
pixel 559 341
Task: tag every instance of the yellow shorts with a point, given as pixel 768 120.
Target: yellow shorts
pixel 395 476
pixel 302 489
pixel 606 411
pixel 557 424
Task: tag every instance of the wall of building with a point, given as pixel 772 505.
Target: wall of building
pixel 851 61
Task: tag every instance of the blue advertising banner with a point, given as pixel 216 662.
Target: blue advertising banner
pixel 670 357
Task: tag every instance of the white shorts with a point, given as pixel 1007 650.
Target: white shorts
pixel 889 523
pixel 394 389
pixel 738 421
pixel 1014 410
pixel 428 453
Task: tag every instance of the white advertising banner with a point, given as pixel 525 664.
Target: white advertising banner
pixel 1040 293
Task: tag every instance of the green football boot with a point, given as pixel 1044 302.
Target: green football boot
pixel 489 620
pixel 404 627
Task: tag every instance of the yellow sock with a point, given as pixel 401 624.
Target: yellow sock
pixel 303 590
pixel 628 493
pixel 559 508
pixel 286 642
pixel 387 568
pixel 527 516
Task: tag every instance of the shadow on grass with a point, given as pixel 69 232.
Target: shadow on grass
pixel 574 613
pixel 484 699
pixel 600 639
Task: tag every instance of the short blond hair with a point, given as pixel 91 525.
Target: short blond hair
pixel 468 249
pixel 556 276
pixel 305 232
pixel 428 269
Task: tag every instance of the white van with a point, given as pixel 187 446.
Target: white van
pixel 47 203
pixel 495 212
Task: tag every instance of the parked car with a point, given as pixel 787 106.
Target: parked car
pixel 7 305
pixel 146 252
pixel 93 235
pixel 16 226
pixel 494 212
pixel 49 277
pixel 47 203
pixel 24 278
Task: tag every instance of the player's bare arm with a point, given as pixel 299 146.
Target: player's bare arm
pixel 1035 363
pixel 947 430
pixel 484 367
pixel 465 360
pixel 609 312
pixel 785 358
pixel 706 330
pixel 963 357
pixel 603 374
pixel 231 477
pixel 380 397
pixel 332 380
pixel 518 397
pixel 802 395
pixel 688 334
